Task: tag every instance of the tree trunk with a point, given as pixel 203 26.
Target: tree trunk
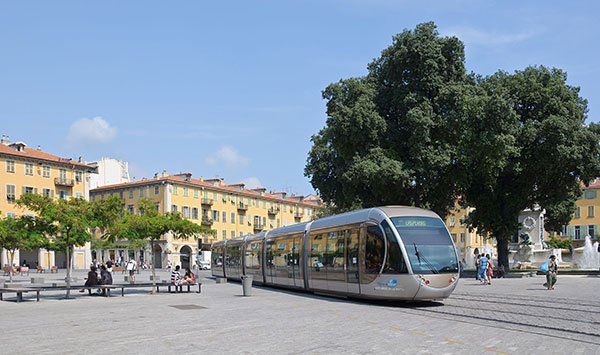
pixel 502 245
pixel 12 262
pixel 152 266
pixel 68 272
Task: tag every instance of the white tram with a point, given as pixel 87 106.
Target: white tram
pixel 392 253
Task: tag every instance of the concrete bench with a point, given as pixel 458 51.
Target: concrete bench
pixel 179 288
pixel 19 291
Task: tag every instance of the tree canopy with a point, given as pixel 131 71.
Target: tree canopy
pixel 23 233
pixel 391 136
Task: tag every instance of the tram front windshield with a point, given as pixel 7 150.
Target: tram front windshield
pixel 428 244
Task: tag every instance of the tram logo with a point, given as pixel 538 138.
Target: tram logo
pixel 392 283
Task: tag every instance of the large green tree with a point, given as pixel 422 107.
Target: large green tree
pixel 525 144
pixel 150 226
pixel 69 222
pixel 391 136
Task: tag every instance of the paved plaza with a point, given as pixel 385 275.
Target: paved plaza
pixel 512 316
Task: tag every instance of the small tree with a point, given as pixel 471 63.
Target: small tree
pixel 68 222
pixel 23 233
pixel 149 226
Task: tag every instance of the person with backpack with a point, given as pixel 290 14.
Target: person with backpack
pixel 551 269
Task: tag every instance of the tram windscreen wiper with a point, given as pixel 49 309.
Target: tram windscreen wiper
pixel 419 257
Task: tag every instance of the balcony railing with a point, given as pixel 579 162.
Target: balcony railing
pixel 64 182
pixel 242 206
pixel 273 210
pixel 207 221
pixel 207 201
pixel 298 215
pixel 259 226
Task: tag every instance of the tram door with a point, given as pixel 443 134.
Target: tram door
pixel 270 261
pixel 335 257
pixel 352 244
pixel 296 262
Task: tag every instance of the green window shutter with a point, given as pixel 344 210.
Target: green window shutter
pixel 22 190
pixel 51 193
pixel 35 190
pixel 595 236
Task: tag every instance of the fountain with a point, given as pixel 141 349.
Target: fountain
pixel 590 257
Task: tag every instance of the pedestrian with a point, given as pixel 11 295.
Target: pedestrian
pixel 462 267
pixel 169 265
pixel 551 273
pixel 500 270
pixel 482 272
pixel 489 270
pixel 477 265
pixel 131 266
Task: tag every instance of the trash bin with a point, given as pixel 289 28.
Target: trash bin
pixel 247 285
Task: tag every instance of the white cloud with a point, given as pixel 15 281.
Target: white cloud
pixel 227 157
pixel 252 182
pixel 87 131
pixel 474 36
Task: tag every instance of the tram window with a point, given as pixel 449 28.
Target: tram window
pixel 318 250
pixel 375 250
pixel 394 263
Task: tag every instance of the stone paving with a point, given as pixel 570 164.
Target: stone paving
pixel 512 316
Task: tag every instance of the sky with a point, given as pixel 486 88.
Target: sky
pixel 232 89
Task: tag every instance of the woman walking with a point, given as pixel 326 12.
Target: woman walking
pixel 490 269
pixel 551 274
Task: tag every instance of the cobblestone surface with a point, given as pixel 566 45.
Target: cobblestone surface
pixel 513 316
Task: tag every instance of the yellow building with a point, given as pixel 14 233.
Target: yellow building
pixel 468 242
pixel 27 170
pixel 231 210
pixel 585 221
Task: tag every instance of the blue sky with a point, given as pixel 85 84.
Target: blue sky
pixel 233 88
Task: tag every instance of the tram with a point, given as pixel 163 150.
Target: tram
pixel 386 253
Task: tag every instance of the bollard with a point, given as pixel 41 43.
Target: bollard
pixel 247 285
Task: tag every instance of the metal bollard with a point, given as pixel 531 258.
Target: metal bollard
pixel 247 285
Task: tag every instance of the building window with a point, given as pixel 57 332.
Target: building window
pixel 29 169
pixel 185 191
pixel 590 211
pixel 224 234
pixel 141 192
pixel 241 218
pixel 173 208
pixel 463 223
pixel 232 234
pixel 577 212
pixel 11 192
pixel 453 237
pixel 195 193
pixel 452 222
pixel 285 220
pixel 63 195
pixel 29 190
pixel 11 215
pixel 232 217
pixel 130 209
pixel 10 166
pixel 130 193
pixel 215 216
pixel 215 196
pixel 78 176
pixel 78 195
pixel 462 237
pixel 47 193
pixel 264 221
pixel 46 171
pixel 156 190
pixel 194 213
pixel 592 231
pixel 175 190
pixel 577 233
pixel 62 174
pixel 157 206
pixel 185 212
pixel 121 194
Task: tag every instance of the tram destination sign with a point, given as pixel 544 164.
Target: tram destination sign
pixel 416 222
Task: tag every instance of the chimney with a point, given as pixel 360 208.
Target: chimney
pixel 79 159
pixel 155 176
pixel 39 147
pixel 5 140
pixel 164 173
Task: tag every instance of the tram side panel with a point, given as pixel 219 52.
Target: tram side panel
pixel 253 260
pixel 217 261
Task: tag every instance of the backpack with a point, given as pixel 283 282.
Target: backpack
pixel 545 266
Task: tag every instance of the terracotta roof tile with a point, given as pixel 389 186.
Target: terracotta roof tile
pixel 38 154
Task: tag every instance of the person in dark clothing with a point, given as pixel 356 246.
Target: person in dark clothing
pixel 92 279
pixel 106 278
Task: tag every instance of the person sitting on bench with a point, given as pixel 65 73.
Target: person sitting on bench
pixel 106 278
pixel 176 277
pixel 92 279
pixel 189 277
